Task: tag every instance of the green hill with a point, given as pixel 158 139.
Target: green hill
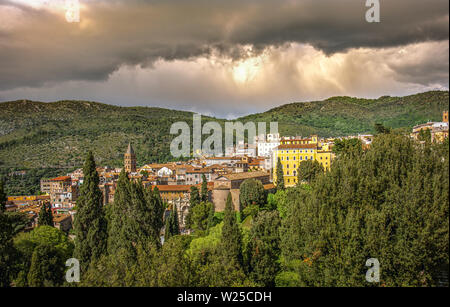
pixel 51 138
pixel 340 116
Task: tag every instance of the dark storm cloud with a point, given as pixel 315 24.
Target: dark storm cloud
pixel 40 46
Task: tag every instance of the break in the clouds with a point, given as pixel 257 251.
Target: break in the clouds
pixel 220 57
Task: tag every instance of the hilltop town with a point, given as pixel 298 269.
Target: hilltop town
pixel 223 175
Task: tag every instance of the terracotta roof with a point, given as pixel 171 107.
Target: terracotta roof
pixel 180 187
pixel 60 217
pixel 223 158
pixel 246 175
pixel 62 178
pixel 269 186
pixel 298 146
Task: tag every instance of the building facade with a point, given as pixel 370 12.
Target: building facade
pixel 294 152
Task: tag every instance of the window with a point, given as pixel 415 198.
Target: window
pixel 301 158
pixel 294 173
pixel 287 173
pixel 294 158
pixel 287 158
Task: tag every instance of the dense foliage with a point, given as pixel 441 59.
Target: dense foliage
pixel 45 215
pixel 308 171
pixel 389 202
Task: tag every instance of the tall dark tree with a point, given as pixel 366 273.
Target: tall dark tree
pixel 231 234
pixel 194 196
pixel 118 215
pixel 308 171
pixel 193 201
pixel 135 218
pixel 264 248
pixel 280 175
pixel 211 217
pixel 7 250
pixel 45 215
pixel 90 222
pixel 204 189
pixel 2 196
pixel 156 209
pixel 172 225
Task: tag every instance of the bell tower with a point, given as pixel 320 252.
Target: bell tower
pixel 130 160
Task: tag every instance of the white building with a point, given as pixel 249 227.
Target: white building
pixel 266 145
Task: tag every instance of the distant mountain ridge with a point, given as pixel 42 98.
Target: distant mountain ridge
pixel 58 134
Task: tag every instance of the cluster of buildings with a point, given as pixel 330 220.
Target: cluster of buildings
pixel 31 205
pixel 438 130
pixel 224 174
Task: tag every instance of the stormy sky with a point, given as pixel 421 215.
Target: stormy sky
pixel 221 57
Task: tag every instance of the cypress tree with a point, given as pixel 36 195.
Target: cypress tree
pixel 156 210
pixel 211 218
pixel 204 189
pixel 2 197
pixel 117 215
pixel 231 234
pixel 280 176
pixel 193 201
pixel 172 225
pixel 46 215
pixel 264 248
pixel 194 197
pixel 8 253
pixel 90 222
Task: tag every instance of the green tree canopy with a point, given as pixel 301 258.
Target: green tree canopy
pixel 200 216
pixel 45 215
pixel 47 267
pixel 308 171
pixel 252 194
pixel 347 147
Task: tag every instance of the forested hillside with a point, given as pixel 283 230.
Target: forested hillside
pixel 36 136
pixel 338 116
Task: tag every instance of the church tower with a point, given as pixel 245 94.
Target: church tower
pixel 130 160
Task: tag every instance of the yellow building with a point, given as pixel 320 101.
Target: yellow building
pixel 291 155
